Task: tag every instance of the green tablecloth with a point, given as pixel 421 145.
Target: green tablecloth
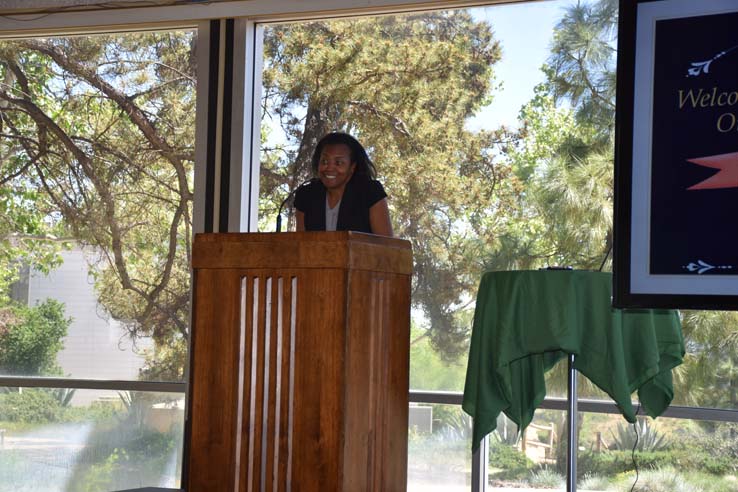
pixel 526 321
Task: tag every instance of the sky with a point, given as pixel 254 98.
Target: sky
pixel 524 31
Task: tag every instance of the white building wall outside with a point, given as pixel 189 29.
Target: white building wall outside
pixel 96 346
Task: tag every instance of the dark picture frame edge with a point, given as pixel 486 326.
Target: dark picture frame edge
pixel 623 180
pixel 624 93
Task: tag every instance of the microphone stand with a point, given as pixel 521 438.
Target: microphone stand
pixel 290 196
pixel 279 213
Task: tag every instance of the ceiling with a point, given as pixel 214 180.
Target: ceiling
pixel 48 6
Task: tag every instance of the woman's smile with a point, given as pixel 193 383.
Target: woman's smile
pixel 335 167
pixel 339 159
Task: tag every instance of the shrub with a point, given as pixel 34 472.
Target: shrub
pixel 97 411
pixel 688 459
pixel 671 479
pixel 664 480
pixel 512 463
pixel 37 406
pixel 452 422
pixel 718 450
pixel 594 482
pixel 547 478
pixel 31 337
pixel 615 462
pixel 506 431
pixel 113 457
pixel 646 439
pixel 435 455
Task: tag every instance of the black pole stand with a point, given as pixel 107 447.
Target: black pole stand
pixel 571 420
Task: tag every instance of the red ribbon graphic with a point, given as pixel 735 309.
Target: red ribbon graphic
pixel 727 177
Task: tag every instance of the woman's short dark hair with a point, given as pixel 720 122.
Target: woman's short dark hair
pixel 364 165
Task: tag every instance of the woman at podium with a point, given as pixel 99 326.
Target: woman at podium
pixel 346 195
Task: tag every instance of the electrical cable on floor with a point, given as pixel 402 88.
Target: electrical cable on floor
pixel 635 445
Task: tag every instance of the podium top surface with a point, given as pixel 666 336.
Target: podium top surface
pixel 342 249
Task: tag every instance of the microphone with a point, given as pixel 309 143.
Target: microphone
pixel 290 195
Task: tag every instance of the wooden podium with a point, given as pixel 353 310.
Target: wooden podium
pixel 299 372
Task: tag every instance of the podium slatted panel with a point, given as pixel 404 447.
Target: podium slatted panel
pixel 284 353
pixel 319 380
pixel 217 334
pixel 373 421
pixel 243 383
pixel 380 308
pixel 284 465
pixel 300 366
pixel 268 304
pixel 377 354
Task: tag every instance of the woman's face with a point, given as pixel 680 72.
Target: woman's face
pixel 335 167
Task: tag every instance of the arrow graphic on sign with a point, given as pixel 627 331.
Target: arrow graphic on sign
pixel 727 177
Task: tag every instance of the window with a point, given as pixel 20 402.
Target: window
pixel 405 86
pixel 489 163
pixel 96 188
pixel 116 440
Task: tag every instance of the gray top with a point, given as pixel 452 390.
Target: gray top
pixel 331 215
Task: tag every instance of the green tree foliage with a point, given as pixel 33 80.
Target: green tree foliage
pixel 581 68
pixel 565 156
pixel 428 370
pixel 25 239
pixel 565 214
pixel 97 143
pixel 30 338
pixel 101 129
pixel 32 406
pixel 404 85
pixel 709 376
pixel 566 153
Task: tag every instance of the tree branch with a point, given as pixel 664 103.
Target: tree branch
pixel 137 115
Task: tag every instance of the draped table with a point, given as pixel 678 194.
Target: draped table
pixel 526 321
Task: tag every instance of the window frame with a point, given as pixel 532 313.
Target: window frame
pixel 243 189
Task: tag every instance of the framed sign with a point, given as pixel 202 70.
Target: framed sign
pixel 676 156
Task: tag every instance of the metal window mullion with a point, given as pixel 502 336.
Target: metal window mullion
pixel 672 412
pixel 437 397
pixel 92 384
pixel 588 406
pixel 246 145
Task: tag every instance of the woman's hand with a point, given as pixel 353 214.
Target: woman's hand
pixel 379 219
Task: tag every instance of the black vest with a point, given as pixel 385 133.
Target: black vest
pixel 353 215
